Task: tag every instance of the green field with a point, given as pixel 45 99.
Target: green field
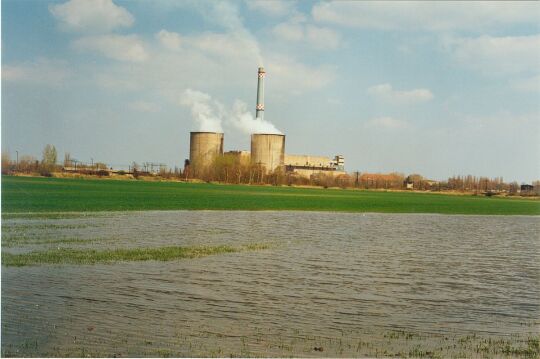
pixel 33 194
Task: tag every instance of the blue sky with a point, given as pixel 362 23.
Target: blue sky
pixel 433 88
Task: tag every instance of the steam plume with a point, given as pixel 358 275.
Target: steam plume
pixel 205 111
pixel 243 120
pixel 209 114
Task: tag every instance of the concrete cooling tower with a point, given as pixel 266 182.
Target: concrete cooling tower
pixel 268 150
pixel 204 147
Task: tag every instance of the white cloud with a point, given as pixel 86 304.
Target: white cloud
pixel 293 77
pixel 334 101
pixel 289 31
pixel 42 72
pixel 144 106
pixel 226 15
pixel 317 37
pixel 386 92
pixel 497 123
pixel 220 44
pixel 435 16
pixel 322 37
pixel 530 84
pixel 118 47
pixel 388 123
pixel 211 61
pixel 497 55
pixel 91 15
pixel 272 7
pixel 170 40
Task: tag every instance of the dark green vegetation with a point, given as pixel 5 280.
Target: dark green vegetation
pixel 90 256
pixel 33 194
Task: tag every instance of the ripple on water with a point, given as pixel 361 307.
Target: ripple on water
pixel 328 274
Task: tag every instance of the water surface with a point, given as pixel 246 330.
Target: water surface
pixel 332 284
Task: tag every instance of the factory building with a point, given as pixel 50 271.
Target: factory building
pixel 306 165
pixel 267 149
pixel 242 157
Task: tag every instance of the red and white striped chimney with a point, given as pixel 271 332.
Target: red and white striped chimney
pixel 259 113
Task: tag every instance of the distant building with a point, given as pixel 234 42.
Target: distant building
pixel 527 189
pixel 243 157
pixel 307 165
pixel 408 183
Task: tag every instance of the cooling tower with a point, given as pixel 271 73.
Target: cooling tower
pixel 268 150
pixel 204 147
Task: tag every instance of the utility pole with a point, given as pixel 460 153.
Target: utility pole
pixel 92 161
pixel 17 163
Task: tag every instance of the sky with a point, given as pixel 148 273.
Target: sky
pixel 436 88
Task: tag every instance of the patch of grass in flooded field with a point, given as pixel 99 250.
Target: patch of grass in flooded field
pixel 8 241
pixel 49 215
pixel 532 350
pixel 26 194
pixel 260 343
pixel 90 256
pixel 41 226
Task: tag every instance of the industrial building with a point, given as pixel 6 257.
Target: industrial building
pixel 306 165
pixel 267 149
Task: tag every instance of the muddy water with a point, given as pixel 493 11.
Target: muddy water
pixel 330 285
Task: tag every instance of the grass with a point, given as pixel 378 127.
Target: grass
pixel 199 342
pixel 90 256
pixel 51 215
pixel 49 195
pixel 8 241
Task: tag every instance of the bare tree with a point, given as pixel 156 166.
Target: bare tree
pixel 48 161
pixel 6 163
pixel 67 160
pixel 49 155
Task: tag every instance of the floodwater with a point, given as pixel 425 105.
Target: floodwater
pixel 331 284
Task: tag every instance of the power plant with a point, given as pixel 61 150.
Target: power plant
pixel 267 149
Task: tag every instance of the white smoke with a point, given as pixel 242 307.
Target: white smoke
pixel 209 115
pixel 243 120
pixel 227 15
pixel 205 111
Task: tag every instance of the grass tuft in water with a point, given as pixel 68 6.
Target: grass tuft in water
pixel 10 242
pixel 90 256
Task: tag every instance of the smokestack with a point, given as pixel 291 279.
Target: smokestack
pixel 259 113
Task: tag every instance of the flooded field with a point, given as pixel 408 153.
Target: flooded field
pixel 325 284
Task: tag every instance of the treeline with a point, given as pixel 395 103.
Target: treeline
pixel 236 169
pixel 48 164
pixel 31 165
